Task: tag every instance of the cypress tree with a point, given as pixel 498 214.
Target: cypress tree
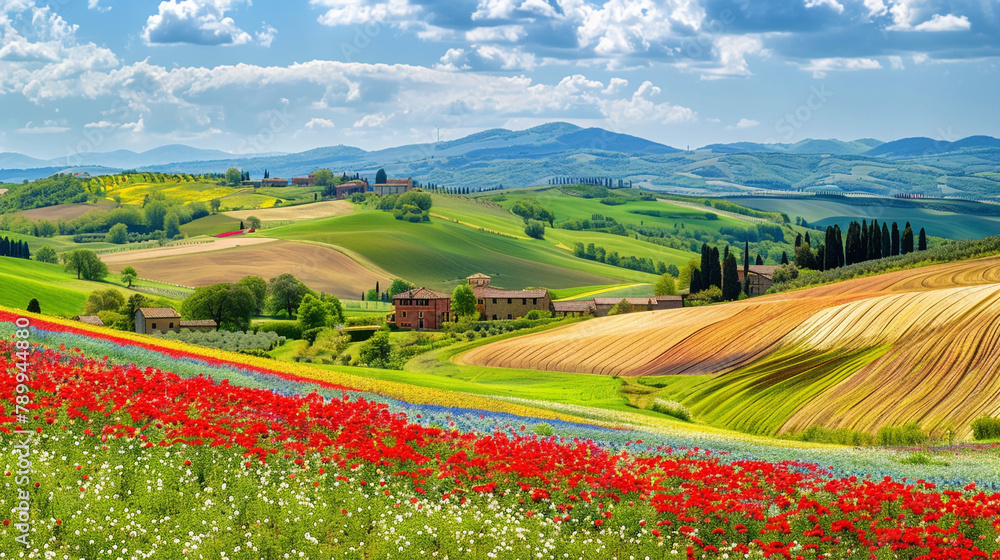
pixel 759 261
pixel 821 257
pixel 922 240
pixel 863 250
pixel 829 254
pixel 839 240
pixel 784 257
pixel 716 268
pixel 875 238
pixel 746 267
pixel 27 251
pixel 695 282
pixel 706 262
pixel 894 249
pixel 807 241
pixel 33 306
pixel 730 278
pixel 798 239
pixel 906 243
pixel 886 241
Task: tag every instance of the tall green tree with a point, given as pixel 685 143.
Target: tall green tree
pixel 313 313
pixel 380 177
pixel 257 287
pixel 47 255
pixel 376 352
pixel 906 242
pixel 253 222
pixel 285 293
pixel 233 176
pixel 746 267
pixel 135 301
pixel 323 178
pixel 838 245
pixel 730 278
pixel 784 257
pixel 895 239
pixel 665 286
pixel 231 306
pixel 104 300
pixel 886 240
pixel 463 302
pixel 399 286
pixel 85 264
pixel 118 234
pixel 172 225
pixel 215 204
pixel 155 212
pixel 129 275
pixel 922 240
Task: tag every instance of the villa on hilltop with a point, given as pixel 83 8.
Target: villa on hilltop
pixel 761 278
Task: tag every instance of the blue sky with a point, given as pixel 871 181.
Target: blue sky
pixel 242 76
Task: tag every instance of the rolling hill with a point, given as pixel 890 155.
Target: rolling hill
pixel 521 158
pixel 917 345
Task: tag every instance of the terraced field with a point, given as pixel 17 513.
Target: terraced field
pixel 918 345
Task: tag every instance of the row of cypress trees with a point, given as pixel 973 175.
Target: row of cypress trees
pixel 864 242
pixel 13 248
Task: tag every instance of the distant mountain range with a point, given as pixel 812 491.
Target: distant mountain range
pixel 533 156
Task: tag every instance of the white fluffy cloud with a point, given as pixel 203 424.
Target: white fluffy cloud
pixel 744 123
pixel 319 123
pixel 199 22
pixel 820 66
pixel 642 108
pixel 948 22
pixel 832 4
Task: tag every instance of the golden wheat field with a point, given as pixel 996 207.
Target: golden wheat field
pixel 917 345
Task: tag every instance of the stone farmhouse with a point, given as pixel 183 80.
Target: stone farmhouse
pixel 761 278
pixel 90 320
pixel 579 308
pixel 161 320
pixel 393 186
pixel 420 309
pixel 496 303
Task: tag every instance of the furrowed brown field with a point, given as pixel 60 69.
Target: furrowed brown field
pixel 918 345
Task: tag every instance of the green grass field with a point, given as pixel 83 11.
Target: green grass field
pixel 210 225
pixel 58 292
pixel 441 254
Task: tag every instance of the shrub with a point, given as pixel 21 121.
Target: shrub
pixel 986 428
pixel 906 435
pixel 288 329
pixel 536 314
pixel 670 408
pixel 311 334
pixel 841 436
pixel 535 229
pixel 543 429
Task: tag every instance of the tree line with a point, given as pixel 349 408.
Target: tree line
pixel 606 182
pixel 863 242
pixel 14 248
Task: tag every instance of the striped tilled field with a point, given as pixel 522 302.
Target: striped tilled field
pixel 918 345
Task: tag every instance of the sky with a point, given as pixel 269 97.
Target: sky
pixel 254 77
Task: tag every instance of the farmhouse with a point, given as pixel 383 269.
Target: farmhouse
pixel 603 305
pixel 90 320
pixel 761 278
pixel 420 309
pixel 274 182
pixel 495 303
pixel 157 320
pixel 393 186
pixel 579 308
pixel 302 181
pixel 348 188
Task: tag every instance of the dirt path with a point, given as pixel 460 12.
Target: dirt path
pixel 325 209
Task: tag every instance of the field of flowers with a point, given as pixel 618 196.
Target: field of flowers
pixel 145 448
pixel 916 345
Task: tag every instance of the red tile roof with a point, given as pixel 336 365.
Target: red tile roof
pixel 421 293
pixel 490 292
pixel 159 313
